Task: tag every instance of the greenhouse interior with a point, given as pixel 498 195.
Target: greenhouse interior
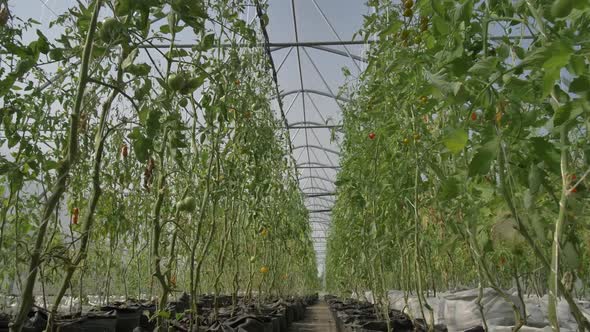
pixel 294 165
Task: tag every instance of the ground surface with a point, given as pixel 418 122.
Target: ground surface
pixel 317 318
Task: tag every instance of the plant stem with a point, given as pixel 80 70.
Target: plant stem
pixel 71 151
pixel 157 229
pixel 481 263
pixel 575 310
pixel 417 241
pixel 88 220
pixel 554 275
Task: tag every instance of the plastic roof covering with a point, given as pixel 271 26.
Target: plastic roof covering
pixel 314 70
pixel 319 74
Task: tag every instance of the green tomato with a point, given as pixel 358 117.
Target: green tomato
pixel 176 82
pixel 194 83
pixel 562 8
pixel 56 54
pixel 111 30
pixel 183 102
pixel 24 65
pixel 188 204
pixel 122 7
pixel 190 84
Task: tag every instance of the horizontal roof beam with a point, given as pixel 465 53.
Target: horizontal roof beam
pixel 314 44
pixel 311 125
pixel 315 92
pixel 315 127
pixel 315 165
pixel 320 211
pixel 319 195
pixel 273 45
pixel 331 50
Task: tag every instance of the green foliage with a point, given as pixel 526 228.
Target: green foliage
pixel 189 155
pixel 467 172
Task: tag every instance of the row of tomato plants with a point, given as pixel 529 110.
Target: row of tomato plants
pixel 140 170
pixel 466 154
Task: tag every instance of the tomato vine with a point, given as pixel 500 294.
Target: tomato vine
pixel 152 169
pixel 479 115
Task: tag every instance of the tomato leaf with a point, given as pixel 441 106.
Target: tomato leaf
pixel 482 160
pixel 463 11
pixel 455 140
pixel 580 85
pixel 485 66
pixel 141 144
pixel 547 152
pixel 207 42
pixel 129 59
pixel 558 55
pixel 439 81
pixel 142 69
pixel 449 188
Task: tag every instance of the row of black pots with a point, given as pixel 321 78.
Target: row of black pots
pixel 274 316
pixel 115 320
pixel 355 316
pixel 128 317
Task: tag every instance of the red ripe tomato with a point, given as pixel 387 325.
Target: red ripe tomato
pixel 75 215
pixel 371 135
pixel 473 116
pixel 574 190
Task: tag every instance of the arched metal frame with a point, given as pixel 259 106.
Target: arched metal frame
pixel 315 165
pixel 311 125
pixel 315 92
pixel 315 181
pixel 312 146
pixel 318 189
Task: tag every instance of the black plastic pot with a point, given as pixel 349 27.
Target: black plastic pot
pixel 282 321
pixel 127 315
pixel 127 319
pixel 4 322
pixel 145 323
pixel 90 323
pixel 36 323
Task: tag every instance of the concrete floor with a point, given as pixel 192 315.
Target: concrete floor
pixel 317 318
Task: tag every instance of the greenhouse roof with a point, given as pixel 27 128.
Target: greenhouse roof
pixel 317 43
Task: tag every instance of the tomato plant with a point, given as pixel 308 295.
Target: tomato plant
pixel 476 201
pixel 169 162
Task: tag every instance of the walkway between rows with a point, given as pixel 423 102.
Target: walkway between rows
pixel 317 318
